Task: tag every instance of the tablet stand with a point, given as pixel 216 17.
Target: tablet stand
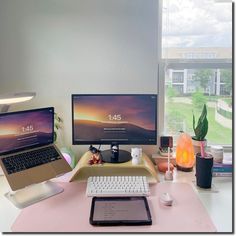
pixel 33 194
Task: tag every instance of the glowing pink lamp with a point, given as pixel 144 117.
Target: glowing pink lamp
pixel 68 155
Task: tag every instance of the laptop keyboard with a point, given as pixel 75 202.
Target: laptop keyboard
pixel 27 160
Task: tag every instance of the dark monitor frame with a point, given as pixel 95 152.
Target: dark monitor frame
pixel 114 142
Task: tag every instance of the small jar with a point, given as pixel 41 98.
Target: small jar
pixel 217 153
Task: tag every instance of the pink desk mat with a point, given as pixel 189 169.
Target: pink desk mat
pixel 70 210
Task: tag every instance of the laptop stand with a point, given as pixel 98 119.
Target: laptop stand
pixel 33 194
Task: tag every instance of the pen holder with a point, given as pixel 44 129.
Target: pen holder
pixel 204 170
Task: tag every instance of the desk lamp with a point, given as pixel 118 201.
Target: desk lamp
pixel 69 156
pixel 8 99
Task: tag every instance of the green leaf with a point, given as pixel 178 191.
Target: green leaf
pixel 202 125
pixel 204 130
pixel 60 119
pixel 203 114
pixel 54 136
pixel 193 122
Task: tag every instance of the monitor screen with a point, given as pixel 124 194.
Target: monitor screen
pixel 114 119
pixel 24 129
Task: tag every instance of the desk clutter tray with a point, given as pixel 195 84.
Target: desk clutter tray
pixel 70 210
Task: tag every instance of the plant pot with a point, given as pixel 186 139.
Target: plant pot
pixel 204 170
pixel 197 145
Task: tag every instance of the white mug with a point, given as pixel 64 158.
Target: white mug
pixel 218 153
pixel 136 154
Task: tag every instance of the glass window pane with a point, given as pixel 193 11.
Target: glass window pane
pixel 197 29
pixel 197 37
pixel 185 97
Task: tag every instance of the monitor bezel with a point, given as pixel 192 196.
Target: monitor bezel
pixel 33 146
pixel 85 142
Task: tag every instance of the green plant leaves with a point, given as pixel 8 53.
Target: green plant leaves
pixel 202 125
pixel 57 125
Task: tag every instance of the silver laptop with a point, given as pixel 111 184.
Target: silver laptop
pixel 27 152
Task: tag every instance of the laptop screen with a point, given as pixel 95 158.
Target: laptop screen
pixel 26 129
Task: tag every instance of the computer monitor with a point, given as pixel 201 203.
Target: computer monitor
pixel 114 119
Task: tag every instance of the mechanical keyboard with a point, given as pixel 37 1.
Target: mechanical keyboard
pixel 29 159
pixel 117 186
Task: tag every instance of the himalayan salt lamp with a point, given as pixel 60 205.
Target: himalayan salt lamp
pixel 185 153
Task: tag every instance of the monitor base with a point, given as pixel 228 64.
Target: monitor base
pixel 120 156
pixel 33 194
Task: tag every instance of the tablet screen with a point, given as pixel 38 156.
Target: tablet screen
pixel 120 210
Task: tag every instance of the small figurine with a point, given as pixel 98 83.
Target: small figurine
pixel 136 154
pixel 95 157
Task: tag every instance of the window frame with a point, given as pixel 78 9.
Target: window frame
pixel 181 64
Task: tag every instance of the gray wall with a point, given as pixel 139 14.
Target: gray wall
pixel 60 47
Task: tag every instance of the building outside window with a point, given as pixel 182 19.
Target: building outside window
pixel 177 77
pixel 197 63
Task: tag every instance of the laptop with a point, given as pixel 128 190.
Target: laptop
pixel 27 153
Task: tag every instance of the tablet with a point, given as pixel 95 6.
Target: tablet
pixel 111 211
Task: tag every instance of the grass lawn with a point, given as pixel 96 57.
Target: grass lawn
pixel 217 134
pixel 228 101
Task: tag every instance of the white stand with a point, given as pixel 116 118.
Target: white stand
pixel 168 174
pixel 33 194
pixel 1 171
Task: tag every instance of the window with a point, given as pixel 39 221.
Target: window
pixel 196 60
pixel 177 77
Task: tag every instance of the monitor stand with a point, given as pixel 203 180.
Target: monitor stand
pixel 114 155
pixel 33 194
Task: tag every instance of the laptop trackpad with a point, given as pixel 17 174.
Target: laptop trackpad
pixel 41 173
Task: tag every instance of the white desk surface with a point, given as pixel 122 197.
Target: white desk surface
pixel 217 201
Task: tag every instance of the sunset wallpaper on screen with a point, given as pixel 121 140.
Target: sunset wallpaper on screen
pixel 20 130
pixel 114 117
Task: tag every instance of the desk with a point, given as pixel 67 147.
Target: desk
pixel 218 204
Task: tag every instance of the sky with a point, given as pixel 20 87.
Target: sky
pixel 138 110
pixel 197 23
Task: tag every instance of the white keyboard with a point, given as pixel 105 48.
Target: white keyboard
pixel 117 186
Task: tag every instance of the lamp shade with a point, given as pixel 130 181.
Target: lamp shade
pixel 16 97
pixel 185 159
pixel 7 99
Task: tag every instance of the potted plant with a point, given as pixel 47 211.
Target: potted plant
pixel 57 126
pixel 200 131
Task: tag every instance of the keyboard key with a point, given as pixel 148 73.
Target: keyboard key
pixel 26 160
